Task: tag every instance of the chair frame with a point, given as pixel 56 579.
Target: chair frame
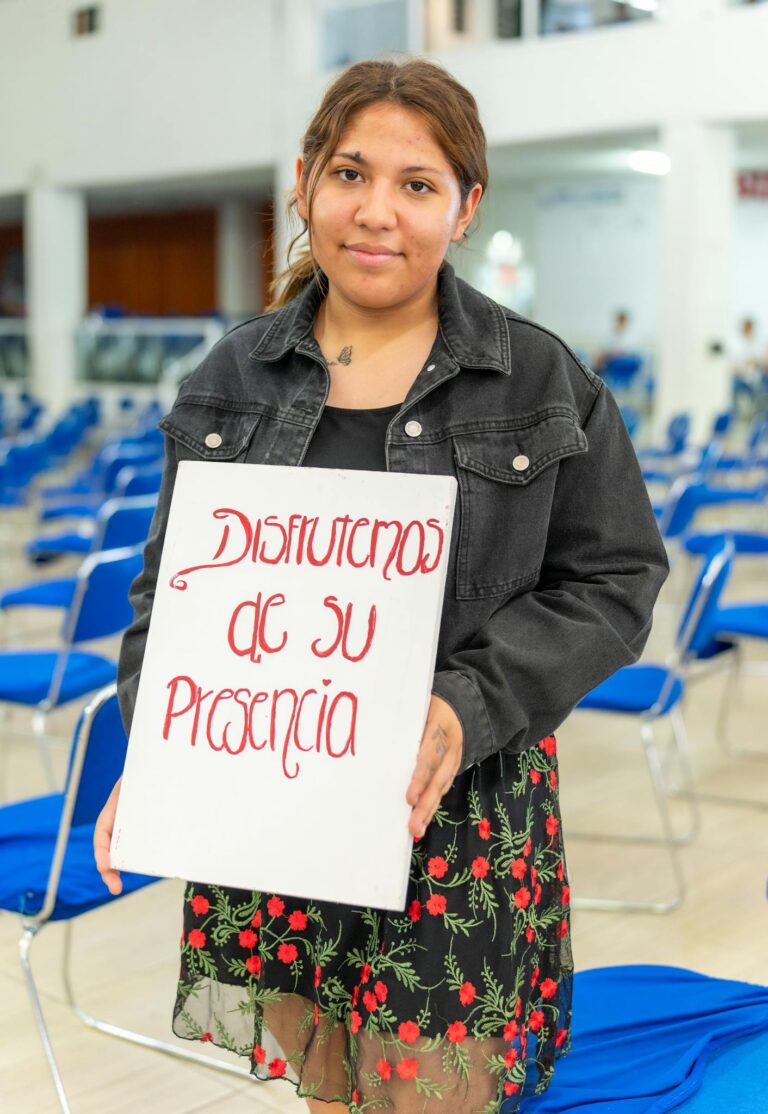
pixel 677 666
pixel 33 925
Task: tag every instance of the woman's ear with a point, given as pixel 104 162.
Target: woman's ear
pixel 301 198
pixel 467 212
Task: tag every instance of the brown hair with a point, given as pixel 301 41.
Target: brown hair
pixel 449 109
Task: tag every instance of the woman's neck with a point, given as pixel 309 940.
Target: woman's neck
pixel 341 323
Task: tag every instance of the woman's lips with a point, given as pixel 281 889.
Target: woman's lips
pixel 373 259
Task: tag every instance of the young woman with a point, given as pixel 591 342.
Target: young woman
pixel 375 355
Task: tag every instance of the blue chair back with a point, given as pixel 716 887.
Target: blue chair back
pixel 139 481
pixel 677 433
pixel 685 498
pixel 722 423
pixel 123 522
pixel 102 756
pixel 620 371
pixel 694 633
pixel 100 604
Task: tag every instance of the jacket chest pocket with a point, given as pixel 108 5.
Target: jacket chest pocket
pixel 203 430
pixel 506 486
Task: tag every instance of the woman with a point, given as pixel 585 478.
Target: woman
pixel 377 356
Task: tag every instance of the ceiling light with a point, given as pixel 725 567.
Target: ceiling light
pixel 650 162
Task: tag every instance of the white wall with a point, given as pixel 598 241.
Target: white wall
pixel 750 264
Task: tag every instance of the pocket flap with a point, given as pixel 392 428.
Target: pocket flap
pixel 212 431
pixel 515 456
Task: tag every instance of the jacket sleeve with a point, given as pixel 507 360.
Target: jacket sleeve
pixel 589 613
pixel 142 595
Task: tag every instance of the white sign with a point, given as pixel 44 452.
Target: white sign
pixel 286 681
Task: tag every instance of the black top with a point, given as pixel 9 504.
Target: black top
pixel 347 438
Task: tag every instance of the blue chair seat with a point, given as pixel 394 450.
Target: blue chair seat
pixel 749 620
pixel 58 543
pixel 633 689
pixel 25 863
pixel 25 675
pixel 71 510
pixel 35 818
pixel 744 541
pixel 47 593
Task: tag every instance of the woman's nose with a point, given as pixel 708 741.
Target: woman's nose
pixel 377 209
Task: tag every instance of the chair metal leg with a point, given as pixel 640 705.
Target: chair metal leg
pixel 669 840
pixel 38 726
pixel 735 673
pixel 37 1009
pixel 129 1034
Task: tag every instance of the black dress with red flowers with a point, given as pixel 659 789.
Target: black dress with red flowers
pixel 461 1003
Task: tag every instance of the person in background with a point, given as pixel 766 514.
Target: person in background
pixel 749 364
pixel 621 341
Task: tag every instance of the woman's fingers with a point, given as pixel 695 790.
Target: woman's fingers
pixel 102 838
pixel 436 766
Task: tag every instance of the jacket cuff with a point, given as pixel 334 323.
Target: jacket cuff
pixel 467 702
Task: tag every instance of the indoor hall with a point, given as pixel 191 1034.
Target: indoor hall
pixel 584 914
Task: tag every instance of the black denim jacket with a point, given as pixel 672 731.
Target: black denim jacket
pixel 555 562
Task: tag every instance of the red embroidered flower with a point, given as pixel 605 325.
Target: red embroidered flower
pixel 529 934
pixel 408 1032
pixel 537 894
pixel 316 1011
pixel 318 972
pixel 277 1067
pixel 510 1057
pixel 518 868
pixel 407 1069
pixel 563 930
pixel 414 910
pixel 548 745
pixel 527 848
pixel 552 825
pixel 200 904
pixel 248 939
pixel 365 974
pixel 484 829
pixel 510 1031
pixel 287 953
pixel 196 938
pixel 466 994
pixel 355 1096
pixel 297 920
pixel 456 1032
pixel 256 922
pixel 275 906
pixel 380 990
pixel 480 867
pixel 437 904
pixel 536 1020
pixel 560 871
pixel 535 776
pixel 535 976
pixel 355 995
pixel 206 1037
pixel 511 1088
pixel 548 988
pixel 534 875
pixel 253 965
pixel 562 1036
pixel 384 1068
pixel 566 895
pixel 370 1001
pixel 553 779
pixel 355 1021
pixel 437 867
pixel 522 898
pixel 519 1007
pixel 259 1054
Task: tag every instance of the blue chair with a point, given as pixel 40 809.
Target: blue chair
pixel 46 679
pixel 48 873
pixel 688 495
pixel 121 523
pixel 751 458
pixel 651 692
pixel 676 440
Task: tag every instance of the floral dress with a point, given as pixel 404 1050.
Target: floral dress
pixel 459 1004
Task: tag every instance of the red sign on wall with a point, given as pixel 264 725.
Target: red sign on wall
pixel 754 184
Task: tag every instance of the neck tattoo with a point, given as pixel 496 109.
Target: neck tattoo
pixel 344 357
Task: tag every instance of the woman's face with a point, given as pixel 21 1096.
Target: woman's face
pixel 385 208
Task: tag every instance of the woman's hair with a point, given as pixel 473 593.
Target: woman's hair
pixel 448 108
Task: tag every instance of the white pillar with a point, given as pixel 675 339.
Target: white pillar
pixel 239 263
pixel 56 266
pixel 697 208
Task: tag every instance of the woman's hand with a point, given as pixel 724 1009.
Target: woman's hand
pixel 102 837
pixel 438 762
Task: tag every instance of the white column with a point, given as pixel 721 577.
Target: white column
pixel 239 263
pixel 697 207
pixel 56 266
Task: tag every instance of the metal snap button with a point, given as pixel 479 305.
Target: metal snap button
pixel 213 440
pixel 413 429
pixel 520 463
pixel 431 367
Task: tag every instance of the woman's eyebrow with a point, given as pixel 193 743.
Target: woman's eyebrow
pixel 355 156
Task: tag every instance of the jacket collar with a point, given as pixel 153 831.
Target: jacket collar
pixel 472 325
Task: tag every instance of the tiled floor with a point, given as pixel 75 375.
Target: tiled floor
pixel 125 961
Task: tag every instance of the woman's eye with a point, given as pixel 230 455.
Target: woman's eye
pixel 346 170
pixel 425 187
pixel 342 172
